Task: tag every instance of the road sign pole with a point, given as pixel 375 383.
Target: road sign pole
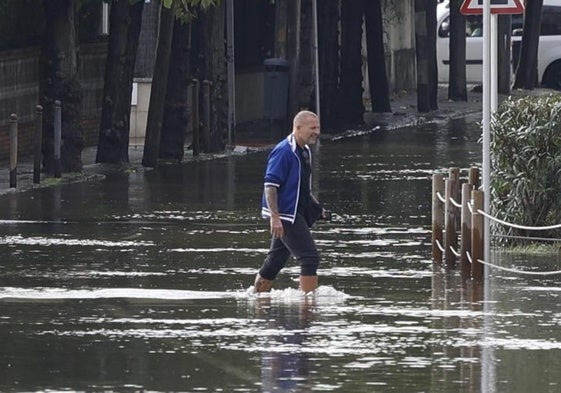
pixel 487 353
pixel 494 63
pixel 487 107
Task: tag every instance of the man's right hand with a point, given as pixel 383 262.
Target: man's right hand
pixel 277 229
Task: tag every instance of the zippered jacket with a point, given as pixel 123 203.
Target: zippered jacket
pixel 283 171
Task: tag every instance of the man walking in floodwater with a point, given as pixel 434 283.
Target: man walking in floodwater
pixel 289 204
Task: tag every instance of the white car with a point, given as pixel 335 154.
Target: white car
pixel 549 49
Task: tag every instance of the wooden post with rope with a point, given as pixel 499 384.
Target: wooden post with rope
pixel 451 238
pixel 465 236
pixel 437 216
pixel 477 236
pixel 473 177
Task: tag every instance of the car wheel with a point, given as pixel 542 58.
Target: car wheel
pixel 552 77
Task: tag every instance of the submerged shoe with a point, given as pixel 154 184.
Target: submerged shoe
pixel 262 284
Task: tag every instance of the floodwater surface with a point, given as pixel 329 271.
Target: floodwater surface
pixel 139 282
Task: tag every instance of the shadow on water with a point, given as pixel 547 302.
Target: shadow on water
pixel 138 282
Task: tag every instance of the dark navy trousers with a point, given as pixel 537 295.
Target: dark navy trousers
pixel 297 241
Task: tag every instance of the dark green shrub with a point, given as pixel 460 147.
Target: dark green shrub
pixel 526 164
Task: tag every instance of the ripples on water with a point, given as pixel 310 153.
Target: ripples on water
pixel 154 294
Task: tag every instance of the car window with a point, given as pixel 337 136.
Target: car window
pixel 551 21
pixel 517 22
pixel 444 29
pixel 474 26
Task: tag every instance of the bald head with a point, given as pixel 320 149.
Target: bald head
pixel 302 117
pixel 306 128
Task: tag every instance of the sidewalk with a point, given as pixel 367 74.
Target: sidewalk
pixel 260 136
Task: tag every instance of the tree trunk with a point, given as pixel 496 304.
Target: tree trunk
pixel 433 67
pixel 504 57
pixel 527 71
pixel 281 14
pixel 306 85
pixel 176 116
pixel 328 42
pixel 125 20
pixel 457 89
pixel 59 67
pixel 377 76
pixel 208 36
pixel 425 33
pixel 351 106
pixel 218 76
pixel 158 92
pixel 293 54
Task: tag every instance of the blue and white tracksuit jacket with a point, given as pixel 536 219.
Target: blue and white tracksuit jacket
pixel 283 171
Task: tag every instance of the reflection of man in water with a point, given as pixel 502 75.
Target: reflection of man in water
pixel 290 206
pixel 286 367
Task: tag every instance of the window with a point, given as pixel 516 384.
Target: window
pixel 474 26
pixel 551 21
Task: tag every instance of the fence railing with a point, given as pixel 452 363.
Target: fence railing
pixel 463 222
pixel 451 219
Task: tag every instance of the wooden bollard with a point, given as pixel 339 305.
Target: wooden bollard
pixel 196 118
pixel 465 235
pixel 477 235
pixel 57 138
pixel 38 144
pixel 13 150
pixel 437 216
pixel 450 217
pixel 473 177
pixel 206 115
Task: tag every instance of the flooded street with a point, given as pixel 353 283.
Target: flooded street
pixel 138 282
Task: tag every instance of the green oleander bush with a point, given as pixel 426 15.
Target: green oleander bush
pixel 526 165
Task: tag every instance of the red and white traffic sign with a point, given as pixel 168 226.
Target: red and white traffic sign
pixel 475 7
